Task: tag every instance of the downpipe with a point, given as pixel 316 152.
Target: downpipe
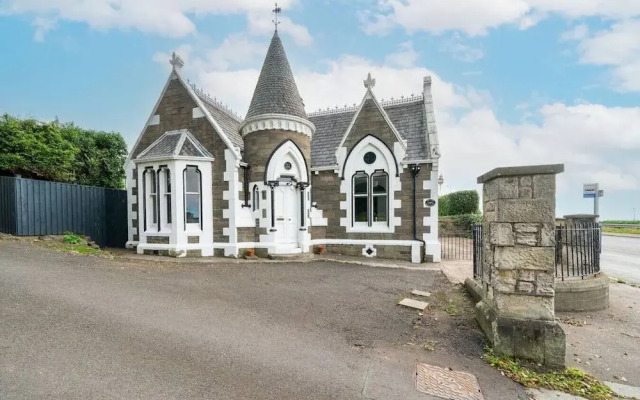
pixel 415 169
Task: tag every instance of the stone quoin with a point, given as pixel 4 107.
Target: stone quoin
pixel 203 181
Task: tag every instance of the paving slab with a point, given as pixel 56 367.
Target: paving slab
pixel 447 383
pixel 546 394
pixel 421 293
pixel 420 305
pixel 624 390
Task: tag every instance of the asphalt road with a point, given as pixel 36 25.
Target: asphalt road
pixel 79 327
pixel 621 257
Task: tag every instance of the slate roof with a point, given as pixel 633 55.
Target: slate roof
pixel 409 119
pixel 276 91
pixel 174 143
pixel 230 124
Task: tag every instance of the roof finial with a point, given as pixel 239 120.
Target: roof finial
pixel 276 11
pixel 370 82
pixel 176 61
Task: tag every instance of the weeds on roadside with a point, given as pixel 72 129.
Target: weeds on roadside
pixel 72 238
pixel 570 380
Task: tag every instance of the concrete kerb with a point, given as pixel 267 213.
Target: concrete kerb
pixel 342 259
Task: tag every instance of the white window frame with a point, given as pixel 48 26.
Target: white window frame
pixel 192 226
pixel 150 199
pixel 255 201
pixel 167 193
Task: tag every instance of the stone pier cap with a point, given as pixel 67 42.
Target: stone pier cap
pixel 548 169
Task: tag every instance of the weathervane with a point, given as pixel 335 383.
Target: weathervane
pixel 276 11
pixel 370 82
pixel 176 61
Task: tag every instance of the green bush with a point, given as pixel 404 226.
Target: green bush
pixel 459 203
pixel 72 238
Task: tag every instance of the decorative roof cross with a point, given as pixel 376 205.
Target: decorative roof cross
pixel 370 82
pixel 276 11
pixel 176 61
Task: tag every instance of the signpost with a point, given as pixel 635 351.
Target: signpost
pixel 592 191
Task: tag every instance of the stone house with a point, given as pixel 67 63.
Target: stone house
pixel 357 180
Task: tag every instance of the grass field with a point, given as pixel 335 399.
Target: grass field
pixel 627 231
pixel 620 222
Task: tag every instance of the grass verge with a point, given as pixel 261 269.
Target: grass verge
pixel 626 231
pixel 570 380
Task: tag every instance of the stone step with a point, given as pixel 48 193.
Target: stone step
pixel 292 257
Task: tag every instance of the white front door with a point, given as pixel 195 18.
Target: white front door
pixel 286 212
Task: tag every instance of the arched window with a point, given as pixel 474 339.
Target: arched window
pixel 361 198
pixel 151 197
pixel 167 193
pixel 256 197
pixel 379 196
pixel 370 198
pixel 192 195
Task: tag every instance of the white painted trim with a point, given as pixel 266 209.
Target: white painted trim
pixel 374 242
pixel 277 121
pixel 274 169
pixel 154 120
pixel 384 161
pixel 197 112
pixel 174 158
pixel 326 168
pixel 432 244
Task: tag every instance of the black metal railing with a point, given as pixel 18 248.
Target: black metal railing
pixel 456 245
pixel 477 252
pixel 578 248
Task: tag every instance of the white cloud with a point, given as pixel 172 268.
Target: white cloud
pixel 43 25
pixel 594 141
pixel 260 23
pixel 618 47
pixel 172 18
pixel 476 17
pixel 406 56
pixel 461 51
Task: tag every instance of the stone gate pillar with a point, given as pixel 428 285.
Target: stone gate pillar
pixel 517 307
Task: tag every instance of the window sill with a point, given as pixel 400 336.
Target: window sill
pixel 372 229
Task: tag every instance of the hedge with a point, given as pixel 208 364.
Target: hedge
pixel 458 203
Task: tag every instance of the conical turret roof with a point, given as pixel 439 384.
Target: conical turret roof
pixel 276 91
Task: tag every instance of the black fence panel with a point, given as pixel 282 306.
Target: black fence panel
pixel 477 252
pixel 456 245
pixel 7 205
pixel 52 208
pixel 578 248
pixel 116 215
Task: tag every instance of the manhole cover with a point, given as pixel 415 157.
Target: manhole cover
pixel 448 384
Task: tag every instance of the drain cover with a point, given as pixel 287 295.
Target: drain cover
pixel 448 384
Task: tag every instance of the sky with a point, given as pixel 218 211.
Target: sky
pixel 515 82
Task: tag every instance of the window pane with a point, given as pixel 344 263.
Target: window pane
pixel 192 181
pixel 168 209
pixel 193 208
pixel 168 175
pixel 379 183
pixel 152 181
pixel 379 208
pixel 154 210
pixel 360 205
pixel 360 184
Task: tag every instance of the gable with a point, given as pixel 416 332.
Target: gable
pixel 175 110
pixel 408 117
pixel 370 121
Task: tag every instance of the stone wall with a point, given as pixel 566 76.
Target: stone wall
pixel 176 112
pixel 261 144
pixel 517 310
pixel 326 193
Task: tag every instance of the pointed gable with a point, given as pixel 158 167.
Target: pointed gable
pixel 276 91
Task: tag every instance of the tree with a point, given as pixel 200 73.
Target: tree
pixel 61 152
